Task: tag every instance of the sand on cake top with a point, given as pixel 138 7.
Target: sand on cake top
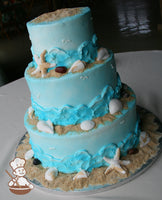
pixel 56 15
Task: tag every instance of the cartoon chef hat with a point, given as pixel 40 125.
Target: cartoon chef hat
pixel 17 162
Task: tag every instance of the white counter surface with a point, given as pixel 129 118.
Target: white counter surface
pixel 142 71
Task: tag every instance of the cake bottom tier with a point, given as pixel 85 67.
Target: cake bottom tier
pixel 76 151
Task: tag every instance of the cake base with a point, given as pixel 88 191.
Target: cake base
pixel 148 151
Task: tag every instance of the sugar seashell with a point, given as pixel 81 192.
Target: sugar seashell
pixel 81 174
pixel 102 54
pixel 45 126
pixel 52 171
pixel 29 154
pixel 87 125
pixel 77 66
pixel 115 106
pixel 144 139
pixel 30 112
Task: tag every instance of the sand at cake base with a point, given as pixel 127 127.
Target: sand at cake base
pixel 65 182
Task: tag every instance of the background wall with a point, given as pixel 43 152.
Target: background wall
pixel 121 25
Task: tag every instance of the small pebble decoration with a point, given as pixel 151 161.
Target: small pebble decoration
pixel 36 161
pixel 61 70
pixel 133 151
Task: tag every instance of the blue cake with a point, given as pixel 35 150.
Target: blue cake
pixel 81 114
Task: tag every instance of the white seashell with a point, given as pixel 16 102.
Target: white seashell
pixel 87 125
pixel 77 66
pixel 115 106
pixel 144 139
pixel 30 112
pixel 29 154
pixel 45 126
pixel 52 171
pixel 81 174
pixel 102 54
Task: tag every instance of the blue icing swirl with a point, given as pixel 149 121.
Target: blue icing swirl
pixel 87 51
pixel 82 159
pixel 68 114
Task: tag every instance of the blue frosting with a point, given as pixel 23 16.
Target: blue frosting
pixel 87 51
pixel 68 114
pixel 82 159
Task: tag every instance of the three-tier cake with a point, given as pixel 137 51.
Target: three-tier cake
pixel 82 118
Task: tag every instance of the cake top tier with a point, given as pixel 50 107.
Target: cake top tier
pixel 66 35
pixel 58 14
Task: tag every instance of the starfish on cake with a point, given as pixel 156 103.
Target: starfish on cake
pixel 42 64
pixel 115 163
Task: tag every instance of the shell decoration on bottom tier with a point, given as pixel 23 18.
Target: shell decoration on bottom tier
pixel 29 154
pixel 52 171
pixel 144 139
pixel 81 174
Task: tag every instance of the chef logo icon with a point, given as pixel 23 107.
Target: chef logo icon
pixel 19 184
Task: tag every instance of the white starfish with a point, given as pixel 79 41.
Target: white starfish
pixel 42 64
pixel 115 163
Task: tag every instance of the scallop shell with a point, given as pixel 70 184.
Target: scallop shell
pixel 52 171
pixel 115 106
pixel 102 54
pixel 81 174
pixel 30 112
pixel 87 125
pixel 29 154
pixel 144 139
pixel 77 66
pixel 45 126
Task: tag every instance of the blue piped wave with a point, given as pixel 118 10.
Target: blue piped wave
pixel 68 114
pixel 87 51
pixel 82 159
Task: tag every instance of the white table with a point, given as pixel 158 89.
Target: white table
pixel 140 70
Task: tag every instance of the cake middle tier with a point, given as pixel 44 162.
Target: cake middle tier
pixel 78 149
pixel 75 97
